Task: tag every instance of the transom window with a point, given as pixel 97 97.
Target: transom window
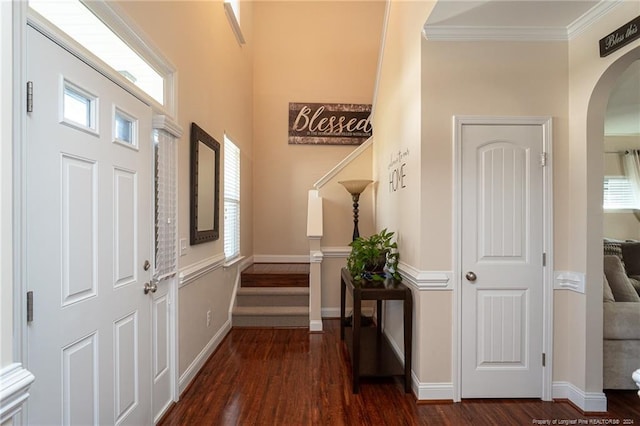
pixel 79 23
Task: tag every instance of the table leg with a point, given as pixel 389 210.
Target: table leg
pixel 379 314
pixel 355 365
pixel 408 344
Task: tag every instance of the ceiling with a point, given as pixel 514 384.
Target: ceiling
pixel 512 19
pixel 516 13
pixel 538 20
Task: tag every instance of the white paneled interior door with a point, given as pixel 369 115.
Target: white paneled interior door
pixel 88 238
pixel 502 266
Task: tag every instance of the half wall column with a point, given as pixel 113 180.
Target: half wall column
pixel 314 234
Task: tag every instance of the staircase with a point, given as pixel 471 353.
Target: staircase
pixel 273 295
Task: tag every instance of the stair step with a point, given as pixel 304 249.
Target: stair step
pixel 273 296
pixel 276 275
pixel 270 316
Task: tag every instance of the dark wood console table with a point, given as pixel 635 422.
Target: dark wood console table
pixel 371 353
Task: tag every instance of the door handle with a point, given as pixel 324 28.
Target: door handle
pixel 471 276
pixel 151 286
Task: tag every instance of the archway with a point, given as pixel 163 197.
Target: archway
pixel 595 148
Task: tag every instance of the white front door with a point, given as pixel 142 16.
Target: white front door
pixel 88 238
pixel 161 355
pixel 502 265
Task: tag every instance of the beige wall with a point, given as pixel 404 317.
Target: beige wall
pixel 451 78
pixel 591 80
pixel 311 51
pixel 481 78
pixel 484 78
pixel 215 76
pixel 397 124
pixel 338 226
pixel 214 90
pixel 503 78
pixel 196 298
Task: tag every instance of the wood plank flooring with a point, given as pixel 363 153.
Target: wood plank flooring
pixel 276 275
pixel 293 377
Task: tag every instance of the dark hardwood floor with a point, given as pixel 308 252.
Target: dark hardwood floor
pixel 276 275
pixel 292 377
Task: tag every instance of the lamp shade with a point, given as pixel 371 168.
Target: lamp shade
pixel 355 186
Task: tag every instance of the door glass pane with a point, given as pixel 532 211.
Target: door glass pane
pixel 78 107
pixel 124 128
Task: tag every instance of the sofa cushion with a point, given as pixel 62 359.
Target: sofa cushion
pixel 621 321
pixel 635 282
pixel 607 295
pixel 613 248
pixel 620 285
pixel 631 257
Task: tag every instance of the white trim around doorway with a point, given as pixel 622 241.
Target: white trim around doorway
pixel 547 344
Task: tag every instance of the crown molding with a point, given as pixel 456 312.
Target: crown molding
pixel 591 16
pixel 472 33
pixel 506 33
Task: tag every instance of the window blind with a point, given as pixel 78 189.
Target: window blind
pixel 618 194
pixel 231 199
pixel 165 204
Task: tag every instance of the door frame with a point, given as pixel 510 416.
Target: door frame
pixel 545 122
pixel 20 19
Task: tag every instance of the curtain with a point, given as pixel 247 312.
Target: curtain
pixel 631 164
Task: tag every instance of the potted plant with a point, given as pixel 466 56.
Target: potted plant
pixel 374 258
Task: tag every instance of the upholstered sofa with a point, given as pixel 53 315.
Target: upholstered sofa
pixel 621 316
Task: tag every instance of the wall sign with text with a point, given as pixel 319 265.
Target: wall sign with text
pixel 398 170
pixel 620 37
pixel 329 124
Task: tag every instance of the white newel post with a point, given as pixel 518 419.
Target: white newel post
pixel 636 378
pixel 314 233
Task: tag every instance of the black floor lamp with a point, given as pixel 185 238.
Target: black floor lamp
pixel 355 188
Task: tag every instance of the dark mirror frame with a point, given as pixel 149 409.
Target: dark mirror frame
pixel 201 236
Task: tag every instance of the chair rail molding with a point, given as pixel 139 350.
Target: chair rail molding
pixel 426 280
pixel 569 280
pixel 14 390
pixel 336 252
pixel 192 272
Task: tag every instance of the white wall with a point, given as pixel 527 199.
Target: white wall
pixel 6 181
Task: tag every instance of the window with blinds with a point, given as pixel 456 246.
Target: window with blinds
pixel 231 199
pixel 165 204
pixel 618 194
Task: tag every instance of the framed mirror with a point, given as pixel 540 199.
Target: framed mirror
pixel 205 186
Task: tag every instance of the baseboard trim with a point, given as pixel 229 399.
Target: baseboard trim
pixel 315 326
pixel 588 402
pixel 197 364
pixel 432 391
pixel 14 390
pixel 335 312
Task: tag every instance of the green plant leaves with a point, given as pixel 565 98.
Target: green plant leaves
pixel 371 257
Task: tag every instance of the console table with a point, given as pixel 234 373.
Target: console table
pixel 370 351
